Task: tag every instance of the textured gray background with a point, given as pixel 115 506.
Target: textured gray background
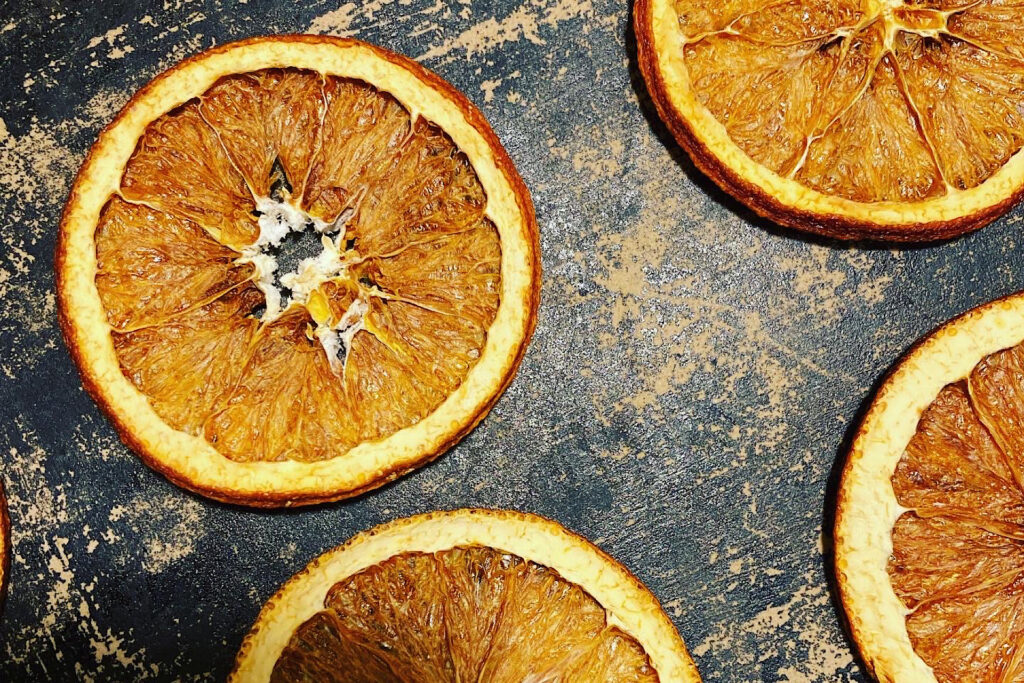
pixel 692 381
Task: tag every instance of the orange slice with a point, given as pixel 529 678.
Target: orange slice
pixel 296 267
pixel 468 595
pixel 851 118
pixel 5 546
pixel 930 520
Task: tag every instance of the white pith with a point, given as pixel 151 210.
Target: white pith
pixel 339 337
pixel 276 220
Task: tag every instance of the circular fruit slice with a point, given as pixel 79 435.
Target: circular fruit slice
pixel 5 546
pixel 468 595
pixel 294 268
pixel 930 522
pixel 851 118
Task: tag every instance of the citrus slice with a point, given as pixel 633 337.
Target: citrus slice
pixel 5 546
pixel 467 595
pixel 296 267
pixel 930 518
pixel 851 118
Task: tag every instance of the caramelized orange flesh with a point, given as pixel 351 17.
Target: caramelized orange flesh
pixel 188 364
pixel 994 26
pixel 268 116
pixel 469 263
pixel 431 192
pixel 465 614
pixel 152 265
pixel 286 402
pixel 958 553
pixel 180 167
pixel 884 104
pixel 363 131
pixel 417 291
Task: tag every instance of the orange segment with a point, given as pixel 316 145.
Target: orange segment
pixel 439 348
pixel 939 558
pixel 268 116
pixel 704 16
pixel 152 265
pixel 562 624
pixel 952 465
pixel 975 637
pixel 339 295
pixel 431 190
pixel 396 610
pixel 993 25
pixel 799 20
pixel 997 391
pixel 287 402
pixel 188 364
pixel 479 582
pixel 767 96
pixel 386 394
pixel 458 274
pixel 464 614
pixel 362 131
pixel 785 21
pixel 615 657
pixel 966 589
pixel 972 136
pixel 942 5
pixel 180 166
pixel 322 650
pixel 874 151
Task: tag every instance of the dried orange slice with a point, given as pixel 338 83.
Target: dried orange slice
pixel 468 595
pixel 883 119
pixel 5 546
pixel 930 521
pixel 296 267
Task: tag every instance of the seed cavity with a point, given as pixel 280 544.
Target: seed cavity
pixel 280 188
pixel 277 220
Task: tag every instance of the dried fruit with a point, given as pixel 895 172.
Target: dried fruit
pixel 296 267
pixel 468 595
pixel 930 520
pixel 878 119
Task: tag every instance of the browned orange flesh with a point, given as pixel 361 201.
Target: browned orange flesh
pixel 180 167
pixel 465 614
pixel 266 116
pixel 152 265
pixel 182 303
pixel 431 191
pixel 958 553
pixel 900 105
pixel 286 402
pixel 188 364
pixel 363 131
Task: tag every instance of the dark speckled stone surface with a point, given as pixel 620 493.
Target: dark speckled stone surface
pixel 692 380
